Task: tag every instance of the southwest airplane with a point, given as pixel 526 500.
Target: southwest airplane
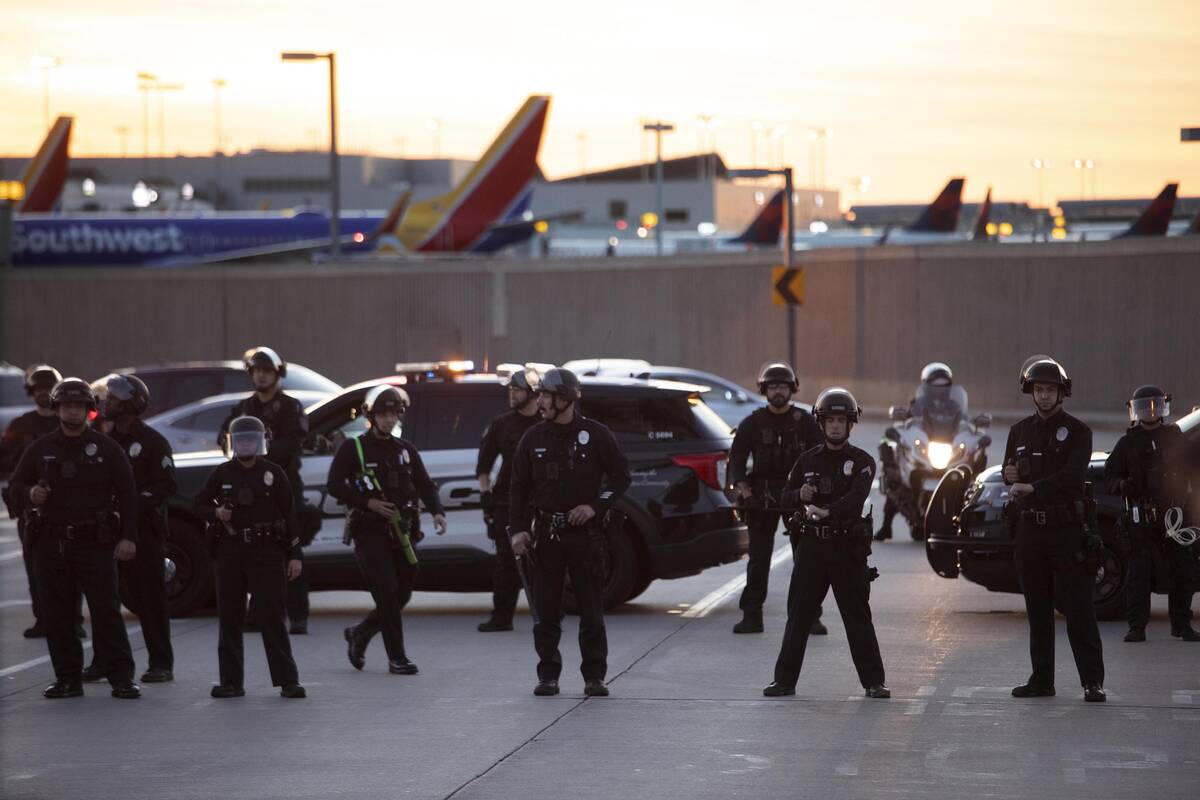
pixel 488 210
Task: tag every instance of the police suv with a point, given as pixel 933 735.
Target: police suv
pixel 673 521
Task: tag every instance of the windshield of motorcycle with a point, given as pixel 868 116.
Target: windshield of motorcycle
pixel 941 409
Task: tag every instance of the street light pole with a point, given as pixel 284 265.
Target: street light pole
pixel 147 81
pixel 218 154
pixel 659 129
pixel 335 176
pixel 45 64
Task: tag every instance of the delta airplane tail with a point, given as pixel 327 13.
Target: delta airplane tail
pixel 1155 220
pixel 980 233
pixel 763 230
pixel 941 216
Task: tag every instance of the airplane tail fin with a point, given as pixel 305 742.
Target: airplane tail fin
pixel 1155 220
pixel 985 216
pixel 941 216
pixel 498 181
pixel 47 172
pixel 1194 228
pixel 394 215
pixel 764 229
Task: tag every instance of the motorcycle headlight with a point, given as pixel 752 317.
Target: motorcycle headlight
pixel 940 454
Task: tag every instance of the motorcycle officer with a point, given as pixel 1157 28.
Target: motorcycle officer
pixel 1146 468
pixel 1046 459
pixel 775 436
pixel 933 374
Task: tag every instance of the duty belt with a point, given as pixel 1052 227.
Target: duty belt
pixel 254 533
pixel 555 519
pixel 826 531
pixel 1050 515
pixel 76 532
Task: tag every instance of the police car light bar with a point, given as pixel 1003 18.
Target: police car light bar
pixel 431 370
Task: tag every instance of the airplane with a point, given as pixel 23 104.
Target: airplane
pixel 1156 219
pixel 980 233
pixel 763 230
pixel 489 209
pixel 47 171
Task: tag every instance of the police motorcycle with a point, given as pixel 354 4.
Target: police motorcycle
pixel 926 440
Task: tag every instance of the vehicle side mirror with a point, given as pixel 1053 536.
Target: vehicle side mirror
pixel 984 441
pixel 983 420
pixel 741 397
pixel 898 413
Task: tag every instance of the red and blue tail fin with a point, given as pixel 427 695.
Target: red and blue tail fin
pixel 941 216
pixel 1155 220
pixel 763 230
pixel 980 233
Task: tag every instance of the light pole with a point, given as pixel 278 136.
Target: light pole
pixel 45 64
pixel 816 156
pixel 335 173
pixel 218 154
pixel 659 128
pixel 789 241
pixel 435 125
pixel 777 136
pixel 123 132
pixel 1083 165
pixel 755 128
pixel 146 81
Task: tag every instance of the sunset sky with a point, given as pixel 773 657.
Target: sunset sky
pixel 914 92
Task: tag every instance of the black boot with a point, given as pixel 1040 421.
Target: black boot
pixel 127 690
pixel 35 631
pixel 752 622
pixel 1031 690
pixel 546 688
pixel 884 533
pixel 1181 628
pixel 494 624
pixel 158 676
pixel 356 648
pixel 818 628
pixel 402 666
pixel 61 689
pixel 298 627
pixel 1135 635
pixel 91 674
pixel 777 689
pixel 224 690
pixel 1094 693
pixel 293 691
pixel 879 691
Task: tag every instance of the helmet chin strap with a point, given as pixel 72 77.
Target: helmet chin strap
pixel 778 401
pixel 72 426
pixel 559 410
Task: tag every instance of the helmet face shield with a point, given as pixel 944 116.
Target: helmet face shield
pixel 247 437
pixel 1149 409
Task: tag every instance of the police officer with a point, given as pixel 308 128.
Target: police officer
pixel 249 502
pixel 831 481
pixel 379 477
pixel 125 400
pixel 81 487
pixel 287 428
pixel 568 471
pixel 1146 468
pixel 500 441
pixel 775 436
pixel 1045 464
pixel 933 374
pixel 20 433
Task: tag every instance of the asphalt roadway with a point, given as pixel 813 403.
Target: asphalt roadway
pixel 686 718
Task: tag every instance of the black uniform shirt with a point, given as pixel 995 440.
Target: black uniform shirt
pixel 149 454
pixel 259 495
pixel 396 464
pixel 775 440
pixel 1151 465
pixel 843 479
pixel 21 433
pixel 285 421
pixel 88 474
pixel 558 467
pixel 1052 455
pixel 500 440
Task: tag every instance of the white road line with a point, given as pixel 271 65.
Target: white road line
pixel 9 539
pixel 11 603
pixel 726 590
pixel 9 556
pixel 36 662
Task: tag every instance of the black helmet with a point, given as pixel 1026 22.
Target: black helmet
pixel 560 383
pixel 264 357
pixel 41 376
pixel 123 394
pixel 836 400
pixel 1149 403
pixel 521 379
pixel 247 437
pixel 1045 370
pixel 937 374
pixel 776 372
pixel 1028 363
pixel 385 398
pixel 72 390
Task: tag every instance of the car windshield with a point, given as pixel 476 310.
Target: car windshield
pixel 12 390
pixel 940 408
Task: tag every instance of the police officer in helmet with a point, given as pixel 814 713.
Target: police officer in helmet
pixel 500 441
pixel 125 399
pixel 831 482
pixel 249 503
pixel 568 472
pixel 1147 468
pixel 380 477
pixel 80 485
pixel 1045 464
pixel 287 428
pixel 21 432
pixel 775 437
pixel 932 374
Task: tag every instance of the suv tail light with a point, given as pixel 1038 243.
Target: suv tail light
pixel 709 467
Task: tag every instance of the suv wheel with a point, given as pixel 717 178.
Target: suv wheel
pixel 188 572
pixel 619 569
